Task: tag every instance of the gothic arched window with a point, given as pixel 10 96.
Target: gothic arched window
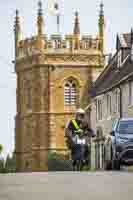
pixel 70 93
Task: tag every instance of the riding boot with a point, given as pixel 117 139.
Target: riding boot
pixel 74 165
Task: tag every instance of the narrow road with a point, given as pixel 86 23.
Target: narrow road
pixel 67 186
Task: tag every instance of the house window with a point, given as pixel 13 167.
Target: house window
pixel 118 102
pixel 119 58
pixel 70 93
pixel 132 53
pixel 130 86
pixel 109 105
pixel 99 109
pixel 115 101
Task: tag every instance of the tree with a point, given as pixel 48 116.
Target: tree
pixel 1 165
pixel 1 148
pixel 1 160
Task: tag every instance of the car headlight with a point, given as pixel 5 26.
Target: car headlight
pixel 118 148
pixel 119 144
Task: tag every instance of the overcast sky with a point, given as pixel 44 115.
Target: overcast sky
pixel 118 19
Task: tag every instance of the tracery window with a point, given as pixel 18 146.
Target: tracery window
pixel 70 93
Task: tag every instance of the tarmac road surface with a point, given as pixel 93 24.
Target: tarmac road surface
pixel 67 186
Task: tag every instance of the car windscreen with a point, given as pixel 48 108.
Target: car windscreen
pixel 125 127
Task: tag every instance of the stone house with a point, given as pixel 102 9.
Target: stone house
pixel 112 96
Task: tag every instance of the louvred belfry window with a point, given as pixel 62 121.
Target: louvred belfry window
pixel 70 93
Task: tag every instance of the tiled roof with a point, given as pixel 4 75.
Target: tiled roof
pixel 127 37
pixel 124 40
pixel 112 77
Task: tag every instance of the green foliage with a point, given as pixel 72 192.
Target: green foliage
pixel 58 162
pixel 2 165
pixel 1 148
pixel 1 160
pixel 10 164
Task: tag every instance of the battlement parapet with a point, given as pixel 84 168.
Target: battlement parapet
pixel 57 44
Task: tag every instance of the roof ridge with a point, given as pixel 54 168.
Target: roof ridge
pixel 107 67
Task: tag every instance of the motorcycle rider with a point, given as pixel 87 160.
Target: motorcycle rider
pixel 75 128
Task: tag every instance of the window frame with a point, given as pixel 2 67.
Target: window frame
pixel 132 52
pixel 99 109
pixel 70 93
pixel 119 58
pixel 130 93
pixel 109 105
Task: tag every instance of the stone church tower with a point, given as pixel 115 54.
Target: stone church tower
pixel 53 79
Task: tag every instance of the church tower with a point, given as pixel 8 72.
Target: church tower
pixel 53 79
